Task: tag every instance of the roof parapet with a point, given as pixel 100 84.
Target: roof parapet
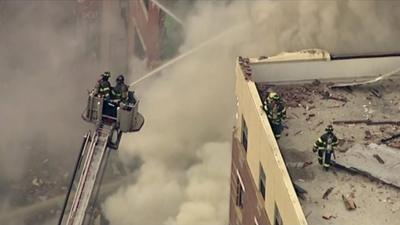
pixel 303 55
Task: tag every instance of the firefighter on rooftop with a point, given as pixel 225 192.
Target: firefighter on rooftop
pixel 276 112
pixel 325 147
pixel 103 86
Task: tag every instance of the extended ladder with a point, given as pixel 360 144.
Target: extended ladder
pixel 95 149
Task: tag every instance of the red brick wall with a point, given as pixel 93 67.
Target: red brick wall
pixel 253 206
pixel 89 9
pixel 150 27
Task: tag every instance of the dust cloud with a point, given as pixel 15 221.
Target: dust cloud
pixel 189 110
pixel 44 74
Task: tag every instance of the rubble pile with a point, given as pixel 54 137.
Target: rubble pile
pixel 359 180
pixel 300 95
pixel 44 179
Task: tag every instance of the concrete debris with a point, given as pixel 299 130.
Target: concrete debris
pixel 376 92
pixel 349 203
pixel 308 108
pixel 368 135
pixel 37 182
pixel 344 145
pixel 385 140
pixel 310 116
pixel 382 129
pixel 316 82
pixel 319 124
pixel 342 122
pixel 328 216
pixel 301 192
pixel 295 115
pixel 394 145
pixel 298 96
pixel 307 163
pixel 377 157
pixel 245 66
pixel 327 193
pixel 298 132
pixel 360 159
pixel 328 95
pixel 367 122
pixel 334 106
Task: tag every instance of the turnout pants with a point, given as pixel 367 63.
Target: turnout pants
pixel 324 158
pixel 277 128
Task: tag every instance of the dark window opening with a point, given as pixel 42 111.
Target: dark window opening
pixel 146 3
pixel 172 37
pixel 244 134
pixel 262 181
pixel 278 219
pixel 239 193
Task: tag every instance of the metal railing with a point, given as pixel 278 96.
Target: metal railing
pixel 95 150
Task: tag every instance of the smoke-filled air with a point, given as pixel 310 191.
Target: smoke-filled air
pixel 48 62
pixel 44 72
pixel 189 109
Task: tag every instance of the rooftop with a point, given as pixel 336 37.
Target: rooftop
pixel 311 106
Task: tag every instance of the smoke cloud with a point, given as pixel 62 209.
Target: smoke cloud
pixel 189 110
pixel 45 69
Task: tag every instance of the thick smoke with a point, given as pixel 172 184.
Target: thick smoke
pixel 189 110
pixel 45 70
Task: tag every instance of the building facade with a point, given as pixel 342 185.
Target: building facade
pixel 123 29
pixel 261 190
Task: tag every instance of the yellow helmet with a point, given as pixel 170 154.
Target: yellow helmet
pixel 273 95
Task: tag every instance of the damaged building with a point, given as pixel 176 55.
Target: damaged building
pixel 280 181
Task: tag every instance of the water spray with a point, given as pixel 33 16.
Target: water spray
pixel 190 52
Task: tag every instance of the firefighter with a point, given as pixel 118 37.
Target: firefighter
pixel 325 147
pixel 120 91
pixel 276 112
pixel 103 86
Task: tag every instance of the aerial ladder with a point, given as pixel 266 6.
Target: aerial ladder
pixel 111 119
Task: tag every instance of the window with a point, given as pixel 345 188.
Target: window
pixel 262 181
pixel 146 3
pixel 239 190
pixel 244 134
pixel 172 37
pixel 278 219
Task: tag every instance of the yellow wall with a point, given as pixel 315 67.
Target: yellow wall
pixel 262 147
